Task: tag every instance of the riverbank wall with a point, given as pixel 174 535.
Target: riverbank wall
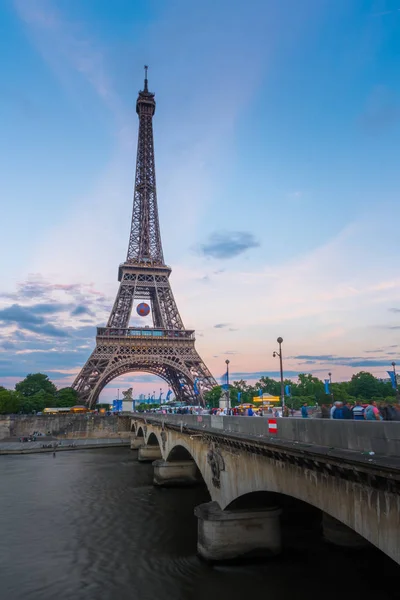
pixel 65 426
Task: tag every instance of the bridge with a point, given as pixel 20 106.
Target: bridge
pixel 348 470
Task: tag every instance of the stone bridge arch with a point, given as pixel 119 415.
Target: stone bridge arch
pixel 233 472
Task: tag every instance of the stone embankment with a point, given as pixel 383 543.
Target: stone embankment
pixel 68 426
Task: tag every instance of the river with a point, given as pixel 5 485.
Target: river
pixel 89 525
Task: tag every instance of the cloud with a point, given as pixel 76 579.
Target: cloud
pixel 255 375
pixel 20 315
pixel 27 319
pixel 355 361
pixel 221 325
pixel 82 310
pixel 394 310
pixel 228 244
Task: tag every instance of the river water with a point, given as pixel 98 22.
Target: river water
pixel 89 525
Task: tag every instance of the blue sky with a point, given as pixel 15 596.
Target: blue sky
pixel 276 131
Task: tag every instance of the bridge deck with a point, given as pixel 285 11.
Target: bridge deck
pixel 349 442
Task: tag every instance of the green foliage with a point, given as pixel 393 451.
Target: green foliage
pixel 212 397
pixel 143 406
pixel 66 397
pixel 9 402
pixel 365 385
pixel 34 383
pixel 310 389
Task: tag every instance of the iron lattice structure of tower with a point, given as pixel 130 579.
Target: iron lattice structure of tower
pixel 167 349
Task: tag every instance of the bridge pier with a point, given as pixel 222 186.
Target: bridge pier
pixel 226 535
pixel 149 453
pixel 335 532
pixel 136 442
pixel 175 473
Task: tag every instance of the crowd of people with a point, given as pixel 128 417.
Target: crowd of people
pixel 360 411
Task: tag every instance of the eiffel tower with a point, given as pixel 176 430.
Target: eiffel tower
pixel 167 349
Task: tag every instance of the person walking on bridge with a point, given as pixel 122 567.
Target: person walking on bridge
pixel 358 411
pixel 371 412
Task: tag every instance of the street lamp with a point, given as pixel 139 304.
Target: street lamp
pixel 275 353
pixel 227 385
pixel 330 386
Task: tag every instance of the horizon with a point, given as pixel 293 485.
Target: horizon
pixel 277 191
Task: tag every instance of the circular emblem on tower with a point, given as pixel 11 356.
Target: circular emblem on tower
pixel 143 309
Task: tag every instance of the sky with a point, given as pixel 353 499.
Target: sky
pixel 277 134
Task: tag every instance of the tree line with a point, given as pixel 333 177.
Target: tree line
pixel 362 386
pixel 33 394
pixel 37 391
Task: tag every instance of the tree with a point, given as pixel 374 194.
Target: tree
pixel 9 402
pixel 66 397
pixel 310 386
pixel 212 397
pixel 34 383
pixel 365 385
pixel 269 386
pixel 37 402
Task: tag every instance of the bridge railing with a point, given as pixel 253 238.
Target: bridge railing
pixel 381 437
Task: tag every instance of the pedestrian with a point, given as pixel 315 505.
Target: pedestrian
pixel 325 412
pixel 392 412
pixel 358 411
pixel 304 411
pixel 250 412
pixel 338 412
pixel 347 414
pixel 372 413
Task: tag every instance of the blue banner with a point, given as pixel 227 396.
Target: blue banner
pixel 288 390
pixel 260 392
pixel 327 389
pixel 239 396
pixel 392 376
pixel 196 387
pixel 225 386
pixel 117 405
pixel 168 395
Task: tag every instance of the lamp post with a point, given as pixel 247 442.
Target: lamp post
pixel 227 384
pixel 275 353
pixel 330 386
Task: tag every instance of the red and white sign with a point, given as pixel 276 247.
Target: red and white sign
pixel 272 426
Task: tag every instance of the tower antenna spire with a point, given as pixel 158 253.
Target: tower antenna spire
pixel 146 89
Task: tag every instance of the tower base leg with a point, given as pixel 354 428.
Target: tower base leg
pixel 227 535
